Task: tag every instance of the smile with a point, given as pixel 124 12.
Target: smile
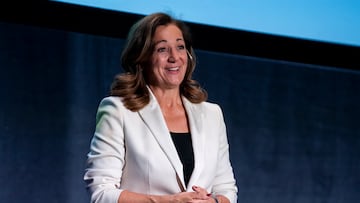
pixel 173 69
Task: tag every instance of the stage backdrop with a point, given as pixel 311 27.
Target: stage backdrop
pixel 293 128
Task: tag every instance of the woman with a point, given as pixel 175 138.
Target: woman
pixel 156 137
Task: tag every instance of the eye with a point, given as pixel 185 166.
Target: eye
pixel 162 49
pixel 181 47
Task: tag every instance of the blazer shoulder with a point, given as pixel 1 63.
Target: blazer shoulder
pixel 211 106
pixel 112 101
pixel 110 104
pixel 209 109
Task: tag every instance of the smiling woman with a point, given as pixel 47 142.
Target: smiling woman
pixel 157 139
pixel 293 128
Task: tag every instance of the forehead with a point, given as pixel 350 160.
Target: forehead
pixel 167 32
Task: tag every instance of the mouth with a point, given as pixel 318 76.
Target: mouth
pixel 173 68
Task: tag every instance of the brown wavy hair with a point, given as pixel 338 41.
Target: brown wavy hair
pixel 131 85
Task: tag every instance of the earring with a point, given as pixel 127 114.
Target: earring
pixel 189 55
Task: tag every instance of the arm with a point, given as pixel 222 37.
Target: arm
pixel 106 157
pixel 224 187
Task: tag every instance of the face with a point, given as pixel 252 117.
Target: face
pixel 169 58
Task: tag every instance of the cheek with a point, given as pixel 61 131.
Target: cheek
pixel 158 62
pixel 186 61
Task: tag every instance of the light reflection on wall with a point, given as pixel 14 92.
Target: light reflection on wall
pixel 334 21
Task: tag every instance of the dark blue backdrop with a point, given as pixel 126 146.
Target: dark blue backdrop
pixel 293 128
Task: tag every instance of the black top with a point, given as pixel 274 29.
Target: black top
pixel 184 148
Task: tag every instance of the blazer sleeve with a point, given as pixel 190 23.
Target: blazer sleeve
pixel 106 157
pixel 224 182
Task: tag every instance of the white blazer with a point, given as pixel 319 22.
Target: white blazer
pixel 134 151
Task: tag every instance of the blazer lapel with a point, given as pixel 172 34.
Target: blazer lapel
pixel 153 118
pixel 196 118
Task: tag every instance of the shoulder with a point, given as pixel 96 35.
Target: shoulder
pixel 111 105
pixel 213 108
pixel 209 106
pixel 111 102
pixel 209 109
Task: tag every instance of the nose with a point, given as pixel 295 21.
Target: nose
pixel 173 55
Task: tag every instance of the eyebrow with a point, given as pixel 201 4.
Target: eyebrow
pixel 177 40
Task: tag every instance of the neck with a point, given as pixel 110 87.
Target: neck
pixel 172 109
pixel 167 97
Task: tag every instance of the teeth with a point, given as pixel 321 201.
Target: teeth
pixel 173 69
